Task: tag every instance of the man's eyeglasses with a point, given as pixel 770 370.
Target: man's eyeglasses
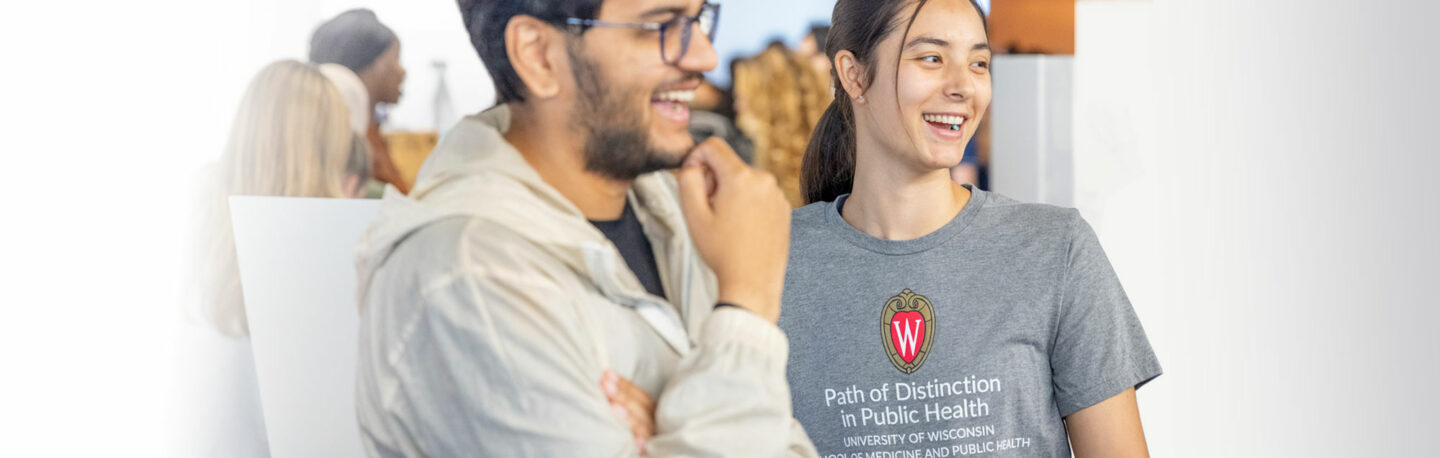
pixel 674 34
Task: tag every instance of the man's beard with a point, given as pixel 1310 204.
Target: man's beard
pixel 617 145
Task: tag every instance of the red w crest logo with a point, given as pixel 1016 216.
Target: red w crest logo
pixel 907 329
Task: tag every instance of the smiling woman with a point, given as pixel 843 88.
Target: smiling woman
pixel 829 168
pixel 1008 308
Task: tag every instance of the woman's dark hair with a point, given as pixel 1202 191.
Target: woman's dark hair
pixel 485 21
pixel 828 169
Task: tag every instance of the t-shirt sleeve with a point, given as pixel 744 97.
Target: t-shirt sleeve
pixel 1100 349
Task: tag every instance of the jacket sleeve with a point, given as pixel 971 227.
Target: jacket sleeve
pixel 729 396
pixel 495 369
pixel 504 364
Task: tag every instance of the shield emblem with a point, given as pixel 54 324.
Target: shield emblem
pixel 907 328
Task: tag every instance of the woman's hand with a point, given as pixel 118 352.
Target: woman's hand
pixel 632 404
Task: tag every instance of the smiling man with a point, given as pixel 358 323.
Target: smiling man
pixel 573 239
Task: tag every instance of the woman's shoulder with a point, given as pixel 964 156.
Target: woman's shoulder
pixel 1000 209
pixel 810 213
pixel 809 218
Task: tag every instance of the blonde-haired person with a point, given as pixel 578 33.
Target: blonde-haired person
pixel 779 98
pixel 290 137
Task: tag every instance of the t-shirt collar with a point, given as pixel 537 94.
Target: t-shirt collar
pixel 854 236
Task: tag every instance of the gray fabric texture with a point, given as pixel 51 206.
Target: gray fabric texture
pixel 1027 323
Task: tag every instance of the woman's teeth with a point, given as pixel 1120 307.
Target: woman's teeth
pixel 954 121
pixel 946 119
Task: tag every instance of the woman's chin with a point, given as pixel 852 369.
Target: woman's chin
pixel 943 161
pixel 942 157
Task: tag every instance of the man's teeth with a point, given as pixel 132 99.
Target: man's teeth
pixel 676 96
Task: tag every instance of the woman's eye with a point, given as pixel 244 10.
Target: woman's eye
pixel 981 64
pixel 931 59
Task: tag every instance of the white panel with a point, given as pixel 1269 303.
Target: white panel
pixel 1030 129
pixel 297 272
pixel 1262 177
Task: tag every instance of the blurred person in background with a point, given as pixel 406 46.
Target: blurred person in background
pixel 553 286
pixel 356 96
pixel 1002 321
pixel 812 48
pixel 968 170
pixel 782 97
pixel 712 114
pixel 291 137
pixel 358 41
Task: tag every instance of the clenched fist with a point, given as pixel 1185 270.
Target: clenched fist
pixel 740 222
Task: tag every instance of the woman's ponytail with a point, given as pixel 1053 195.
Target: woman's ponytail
pixel 828 168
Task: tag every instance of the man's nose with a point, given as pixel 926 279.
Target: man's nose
pixel 700 56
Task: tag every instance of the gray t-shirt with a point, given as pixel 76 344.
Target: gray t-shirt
pixel 976 339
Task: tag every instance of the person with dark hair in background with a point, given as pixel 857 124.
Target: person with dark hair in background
pixel 712 114
pixel 358 41
pixel 923 308
pixel 551 287
pixel 969 170
pixel 812 47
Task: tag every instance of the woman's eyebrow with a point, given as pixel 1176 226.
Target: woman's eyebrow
pixel 981 46
pixel 927 41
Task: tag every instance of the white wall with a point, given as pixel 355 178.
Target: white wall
pixel 1261 175
pixel 1031 129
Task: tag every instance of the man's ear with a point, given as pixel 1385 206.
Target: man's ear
pixel 537 53
pixel 852 75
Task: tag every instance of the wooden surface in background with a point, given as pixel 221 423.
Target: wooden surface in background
pixel 408 150
pixel 1033 26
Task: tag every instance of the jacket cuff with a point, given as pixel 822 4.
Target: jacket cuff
pixel 737 326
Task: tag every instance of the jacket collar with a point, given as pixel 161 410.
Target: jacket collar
pixel 474 172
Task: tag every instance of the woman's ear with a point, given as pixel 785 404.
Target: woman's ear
pixel 528 44
pixel 851 75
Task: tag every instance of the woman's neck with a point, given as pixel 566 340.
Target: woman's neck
pixel 895 201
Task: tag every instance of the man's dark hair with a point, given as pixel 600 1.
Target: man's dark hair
pixel 485 21
pixel 354 39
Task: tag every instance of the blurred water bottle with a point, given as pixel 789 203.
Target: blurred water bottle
pixel 444 109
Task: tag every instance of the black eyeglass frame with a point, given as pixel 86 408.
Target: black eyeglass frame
pixel 709 14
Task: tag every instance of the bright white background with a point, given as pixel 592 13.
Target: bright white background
pixel 1262 175
pixel 1270 208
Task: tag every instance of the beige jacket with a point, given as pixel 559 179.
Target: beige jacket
pixel 490 307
